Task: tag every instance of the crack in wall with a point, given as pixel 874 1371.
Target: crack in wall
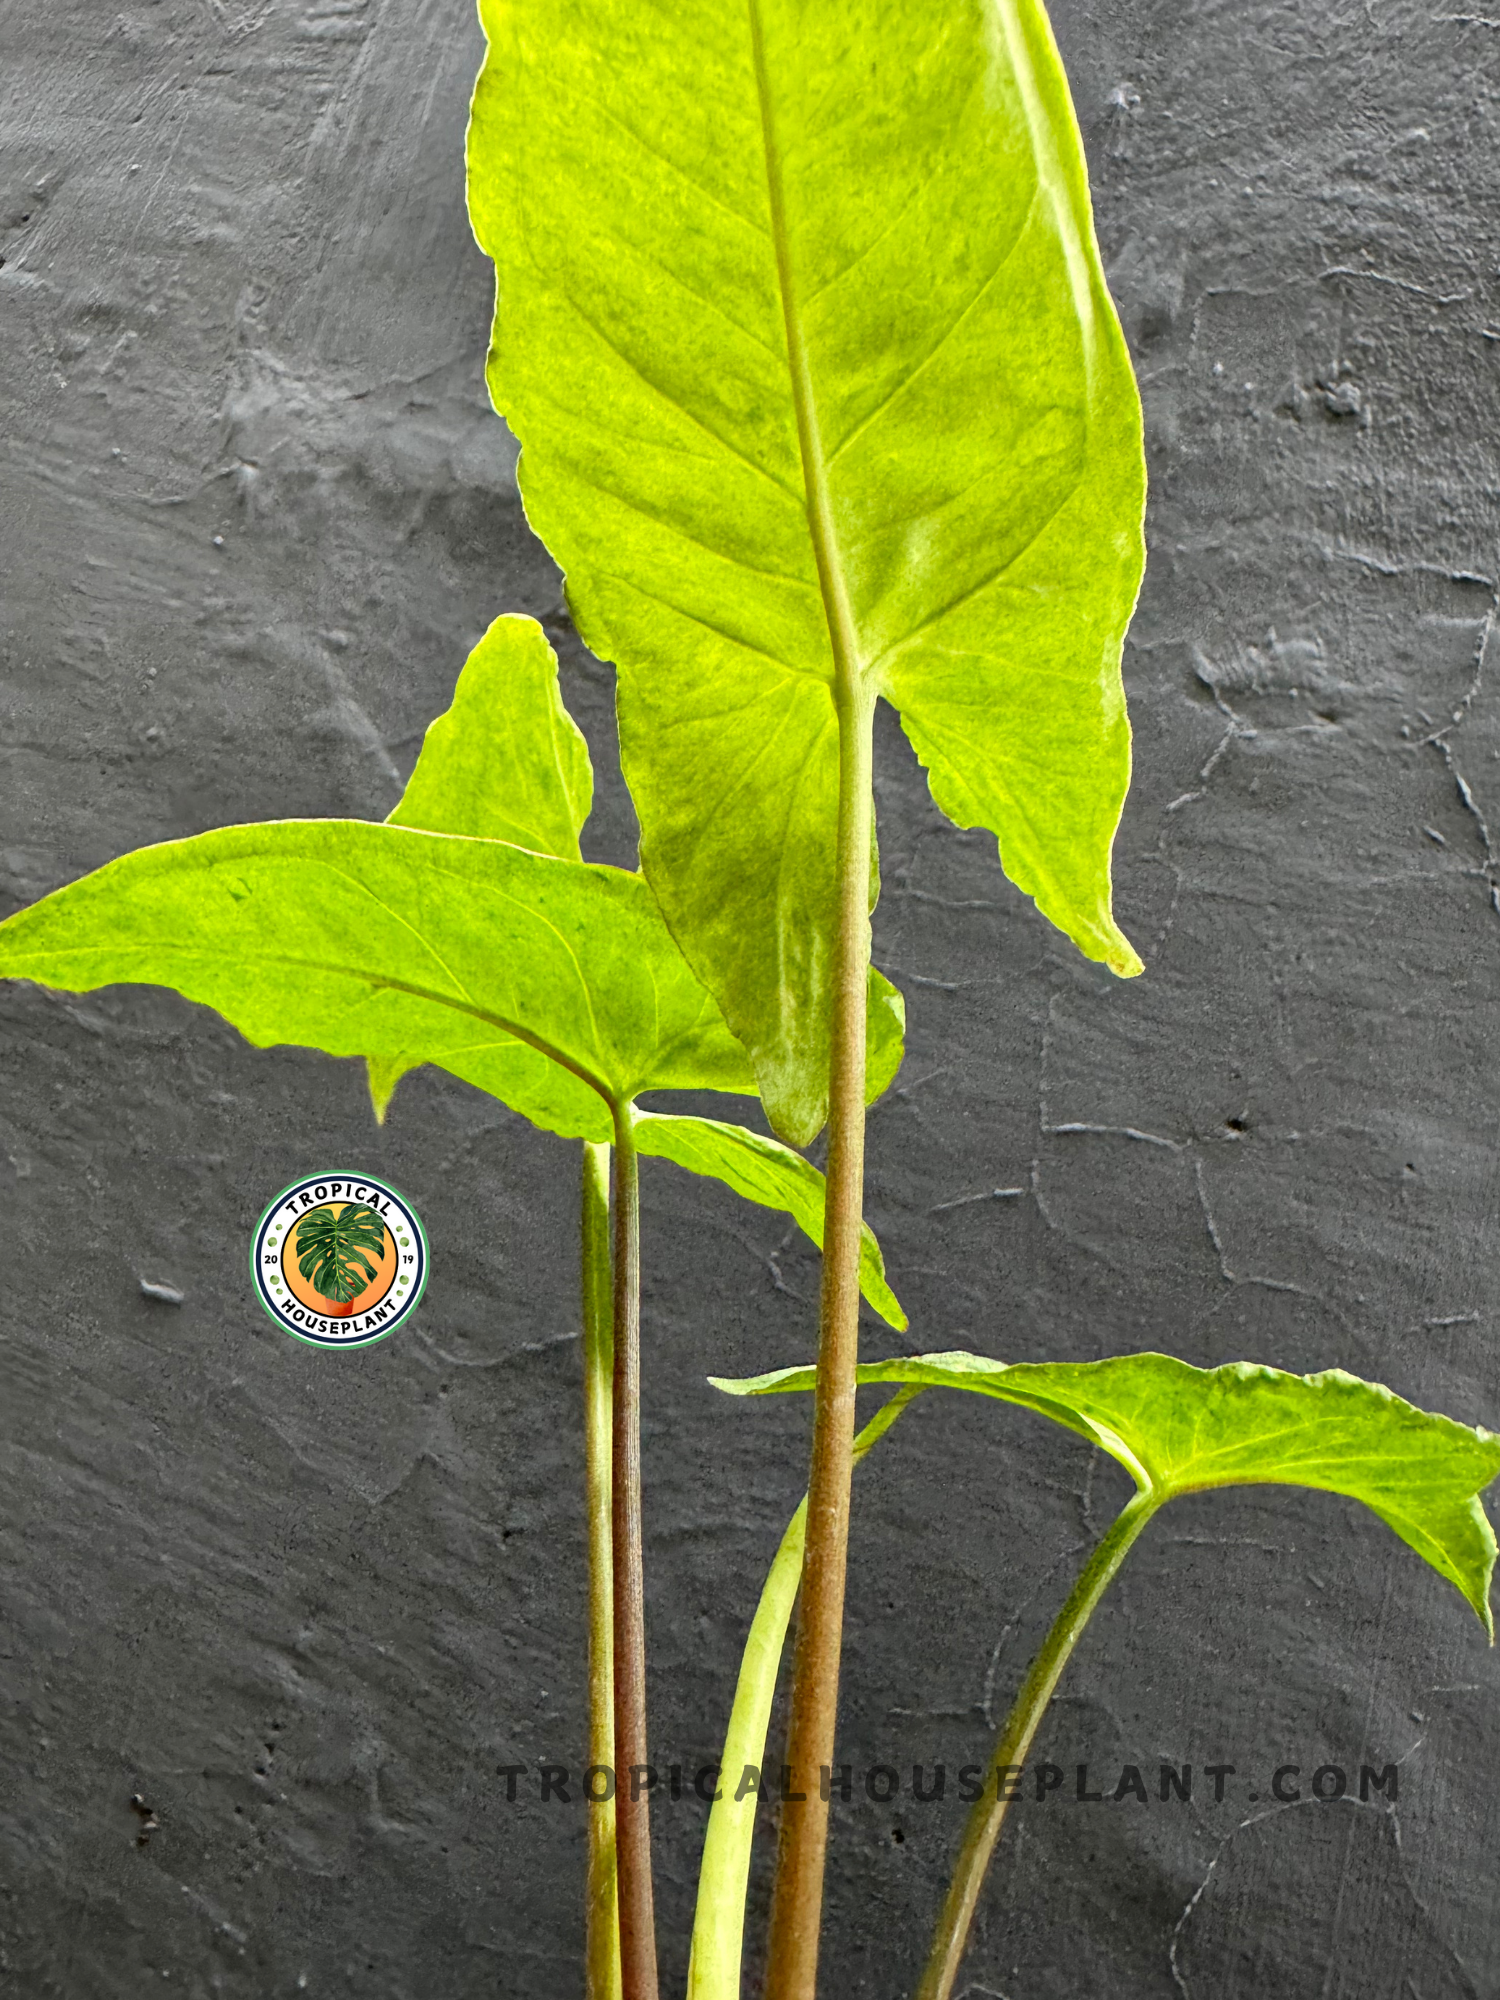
pixel 1439 740
pixel 1385 1812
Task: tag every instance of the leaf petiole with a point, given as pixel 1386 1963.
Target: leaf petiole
pixel 719 1918
pixel 988 1815
pixel 797 1902
pixel 602 1940
pixel 632 1812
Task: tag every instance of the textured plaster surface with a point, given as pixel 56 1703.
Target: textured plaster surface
pixel 253 511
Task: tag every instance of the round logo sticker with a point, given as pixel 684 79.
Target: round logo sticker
pixel 339 1260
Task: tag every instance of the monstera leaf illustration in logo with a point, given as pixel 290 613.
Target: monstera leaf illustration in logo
pixel 331 1247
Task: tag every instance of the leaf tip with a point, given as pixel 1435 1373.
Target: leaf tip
pixel 1122 958
pixel 382 1074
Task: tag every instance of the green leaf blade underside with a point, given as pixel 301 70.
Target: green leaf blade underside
pixel 885 1034
pixel 1179 1429
pixel 881 214
pixel 552 984
pixel 764 1171
pixel 505 761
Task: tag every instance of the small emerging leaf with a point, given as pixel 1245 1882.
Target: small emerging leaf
pixel 1178 1429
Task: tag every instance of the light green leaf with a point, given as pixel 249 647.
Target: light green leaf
pixel 802 326
pixel 764 1171
pixel 1178 1429
pixel 552 984
pixel 885 1034
pixel 506 761
pixel 383 1073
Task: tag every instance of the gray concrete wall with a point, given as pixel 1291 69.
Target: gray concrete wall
pixel 253 511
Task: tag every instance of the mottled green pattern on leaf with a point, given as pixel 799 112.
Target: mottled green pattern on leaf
pixel 764 1171
pixel 1178 1429
pixel 883 215
pixel 506 761
pixel 331 1247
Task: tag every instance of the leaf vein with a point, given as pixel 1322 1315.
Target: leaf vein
pixel 944 337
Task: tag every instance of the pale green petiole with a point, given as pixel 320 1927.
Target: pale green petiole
pixel 719 1921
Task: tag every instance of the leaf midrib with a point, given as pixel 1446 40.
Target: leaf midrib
pixel 380 982
pixel 842 635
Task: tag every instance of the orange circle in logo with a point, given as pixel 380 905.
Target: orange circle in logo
pixel 374 1291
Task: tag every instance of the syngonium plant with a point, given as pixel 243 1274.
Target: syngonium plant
pixel 472 935
pixel 822 399
pixel 802 325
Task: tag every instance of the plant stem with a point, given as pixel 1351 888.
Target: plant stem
pixel 797 1901
pixel 719 1919
pixel 988 1815
pixel 602 1938
pixel 632 1814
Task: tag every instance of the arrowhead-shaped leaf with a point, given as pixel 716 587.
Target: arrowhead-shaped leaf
pixel 1178 1429
pixel 554 985
pixel 802 326
pixel 506 761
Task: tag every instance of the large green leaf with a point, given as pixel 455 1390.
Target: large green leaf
pixel 802 326
pixel 552 984
pixel 1178 1429
pixel 506 761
